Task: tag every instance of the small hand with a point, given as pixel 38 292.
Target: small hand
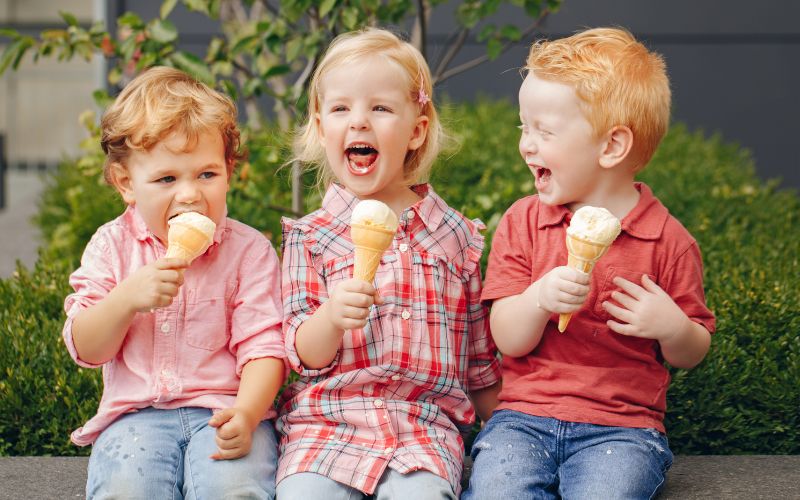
pixel 153 285
pixel 646 311
pixel 234 433
pixel 350 301
pixel 562 290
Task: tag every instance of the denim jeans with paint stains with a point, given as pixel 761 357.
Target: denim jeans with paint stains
pixel 520 456
pixel 164 454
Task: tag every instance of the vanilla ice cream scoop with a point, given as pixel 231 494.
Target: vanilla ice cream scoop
pixel 595 224
pixel 372 228
pixel 190 234
pixel 374 213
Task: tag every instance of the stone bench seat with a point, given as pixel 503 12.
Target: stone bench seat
pixel 691 477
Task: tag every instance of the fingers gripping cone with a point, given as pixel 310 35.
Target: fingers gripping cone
pixel 589 236
pixel 583 255
pixel 190 234
pixel 372 229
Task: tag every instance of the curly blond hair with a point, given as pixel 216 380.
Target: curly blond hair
pixel 161 101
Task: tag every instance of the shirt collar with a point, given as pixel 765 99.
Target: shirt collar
pixel 645 221
pixel 140 231
pixel 431 209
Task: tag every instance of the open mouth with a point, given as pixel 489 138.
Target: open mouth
pixel 542 176
pixel 361 158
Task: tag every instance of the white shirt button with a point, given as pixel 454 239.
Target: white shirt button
pixel 395 377
pixel 403 247
pixel 378 403
pixel 388 450
pixel 405 314
pixel 165 327
pixel 410 215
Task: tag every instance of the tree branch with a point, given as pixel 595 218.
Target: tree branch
pixel 482 59
pixel 450 54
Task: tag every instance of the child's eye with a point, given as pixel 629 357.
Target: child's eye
pixel 338 108
pixel 166 179
pixel 382 109
pixel 208 175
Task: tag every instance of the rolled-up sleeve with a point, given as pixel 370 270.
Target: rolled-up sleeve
pixel 256 313
pixel 302 289
pixel 92 282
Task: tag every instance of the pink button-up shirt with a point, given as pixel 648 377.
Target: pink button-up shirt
pixel 396 394
pixel 228 312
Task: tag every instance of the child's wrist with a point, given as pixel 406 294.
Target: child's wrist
pixel 120 300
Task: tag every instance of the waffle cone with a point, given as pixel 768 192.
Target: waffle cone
pixel 370 242
pixel 583 255
pixel 186 242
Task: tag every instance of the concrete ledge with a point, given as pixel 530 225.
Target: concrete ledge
pixel 691 477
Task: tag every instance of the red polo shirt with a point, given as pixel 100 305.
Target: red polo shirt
pixel 590 373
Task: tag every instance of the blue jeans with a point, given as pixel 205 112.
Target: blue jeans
pixel 164 454
pixel 418 485
pixel 520 456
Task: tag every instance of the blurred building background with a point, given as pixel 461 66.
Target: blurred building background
pixel 734 67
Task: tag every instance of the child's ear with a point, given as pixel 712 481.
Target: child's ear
pixel 419 133
pixel 318 125
pixel 121 179
pixel 616 146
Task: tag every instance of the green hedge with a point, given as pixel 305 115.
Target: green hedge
pixel 744 398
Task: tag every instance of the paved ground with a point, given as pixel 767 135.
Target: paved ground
pixel 691 478
pixel 20 238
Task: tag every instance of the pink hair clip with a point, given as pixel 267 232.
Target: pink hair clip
pixel 422 96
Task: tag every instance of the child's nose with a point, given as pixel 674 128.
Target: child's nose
pixel 359 121
pixel 528 145
pixel 187 193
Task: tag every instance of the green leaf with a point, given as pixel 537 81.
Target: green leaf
pixel 193 65
pixel 162 31
pixel 101 98
pixel 511 32
pixel 230 88
pixel 130 20
pixel 293 48
pixel 166 8
pixel 494 48
pixel 9 33
pixel 279 69
pixel 68 18
pixel 14 53
pixel 252 87
pixel 326 6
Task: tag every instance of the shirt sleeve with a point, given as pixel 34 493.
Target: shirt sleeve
pixel 684 283
pixel 256 316
pixel 509 269
pixel 92 282
pixel 484 367
pixel 303 291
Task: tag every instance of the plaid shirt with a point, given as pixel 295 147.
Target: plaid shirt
pixel 396 393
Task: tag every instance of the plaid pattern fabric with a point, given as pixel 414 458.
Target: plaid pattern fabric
pixel 396 394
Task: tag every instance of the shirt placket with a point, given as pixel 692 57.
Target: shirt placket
pixel 165 335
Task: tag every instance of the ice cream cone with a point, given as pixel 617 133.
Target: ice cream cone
pixel 583 255
pixel 370 242
pixel 187 239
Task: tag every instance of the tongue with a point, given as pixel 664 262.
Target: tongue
pixel 363 160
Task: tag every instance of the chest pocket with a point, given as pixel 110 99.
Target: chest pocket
pixel 605 287
pixel 207 320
